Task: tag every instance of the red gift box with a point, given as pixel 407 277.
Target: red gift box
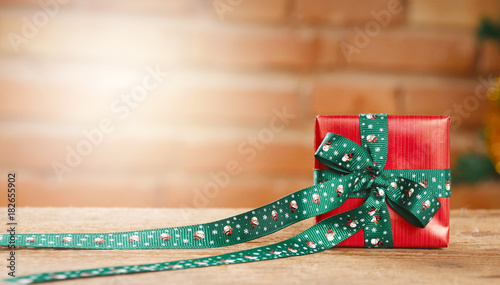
pixel 415 142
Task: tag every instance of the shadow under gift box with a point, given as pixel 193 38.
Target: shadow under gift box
pixel 415 142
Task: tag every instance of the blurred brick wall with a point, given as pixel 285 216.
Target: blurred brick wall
pixel 67 67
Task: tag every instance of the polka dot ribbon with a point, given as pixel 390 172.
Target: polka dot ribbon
pixel 355 171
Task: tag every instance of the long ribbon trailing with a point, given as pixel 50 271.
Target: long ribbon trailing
pixel 355 171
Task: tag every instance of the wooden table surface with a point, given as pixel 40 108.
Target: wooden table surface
pixel 473 256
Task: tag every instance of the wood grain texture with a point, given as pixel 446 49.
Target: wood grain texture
pixel 472 258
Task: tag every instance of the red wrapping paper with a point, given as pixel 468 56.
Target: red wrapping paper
pixel 415 142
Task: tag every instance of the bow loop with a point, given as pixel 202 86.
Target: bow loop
pixel 412 201
pixel 343 155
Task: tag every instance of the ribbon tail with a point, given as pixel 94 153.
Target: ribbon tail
pixel 378 229
pixel 253 224
pixel 320 237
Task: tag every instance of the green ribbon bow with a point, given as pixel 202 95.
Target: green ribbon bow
pixel 355 171
pixel 406 191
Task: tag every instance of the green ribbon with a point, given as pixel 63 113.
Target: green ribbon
pixel 355 171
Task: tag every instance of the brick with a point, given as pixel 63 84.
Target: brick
pixel 255 10
pixel 173 189
pixel 449 13
pixel 37 147
pixel 342 95
pixel 253 48
pixel 40 190
pixel 220 99
pixel 489 58
pixel 78 36
pixel 329 54
pixel 412 51
pixel 129 151
pixel 241 191
pixel 146 6
pixel 339 12
pixel 266 157
pixel 18 151
pixel 28 100
pixel 176 101
pixel 456 98
pixel 72 92
pixel 100 78
pixel 139 149
pixel 174 7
